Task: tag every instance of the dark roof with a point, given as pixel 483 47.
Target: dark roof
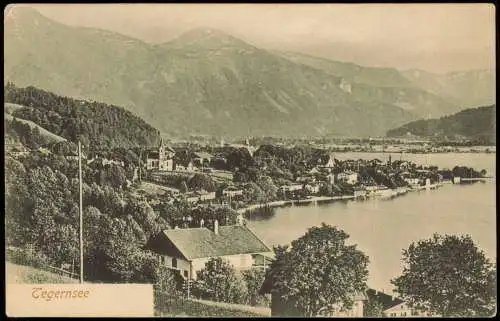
pixel 202 242
pixel 388 301
pixel 153 154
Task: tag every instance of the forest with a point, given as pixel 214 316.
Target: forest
pixel 93 123
pixel 476 124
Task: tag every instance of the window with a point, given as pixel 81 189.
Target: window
pixel 403 314
pixel 185 273
pixel 393 314
pixel 174 262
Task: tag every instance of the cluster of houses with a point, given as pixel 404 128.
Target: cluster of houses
pixel 348 173
pixel 308 184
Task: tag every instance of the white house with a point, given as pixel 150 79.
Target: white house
pixel 187 250
pixel 312 188
pixel 291 187
pixel 232 192
pixel 349 177
pixel 401 309
pixel 412 180
pixel 184 167
pixel 200 196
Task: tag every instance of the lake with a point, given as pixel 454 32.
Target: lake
pixel 382 228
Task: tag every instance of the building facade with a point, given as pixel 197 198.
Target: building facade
pixel 188 250
pixel 161 159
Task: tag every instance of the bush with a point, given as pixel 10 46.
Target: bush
pixel 27 256
pixel 218 281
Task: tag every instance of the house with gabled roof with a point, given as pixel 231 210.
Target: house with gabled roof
pixel 188 250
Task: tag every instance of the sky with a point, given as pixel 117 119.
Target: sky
pixel 433 37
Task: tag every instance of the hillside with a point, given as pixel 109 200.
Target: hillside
pixel 466 88
pixel 58 118
pixel 433 95
pixel 478 124
pixel 208 82
pixel 49 136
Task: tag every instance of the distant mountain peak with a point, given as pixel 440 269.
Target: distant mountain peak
pixel 206 38
pixel 20 12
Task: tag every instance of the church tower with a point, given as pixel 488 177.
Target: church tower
pixel 161 153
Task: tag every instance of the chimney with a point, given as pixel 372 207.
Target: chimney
pixel 216 227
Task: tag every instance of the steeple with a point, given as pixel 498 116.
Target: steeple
pixel 160 150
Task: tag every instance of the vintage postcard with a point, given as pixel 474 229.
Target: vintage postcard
pixel 250 160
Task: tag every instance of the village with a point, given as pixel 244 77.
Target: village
pixel 322 178
pixel 224 185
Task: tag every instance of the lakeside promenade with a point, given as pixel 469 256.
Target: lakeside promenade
pixel 316 199
pixel 301 201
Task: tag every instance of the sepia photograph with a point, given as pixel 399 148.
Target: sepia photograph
pixel 250 160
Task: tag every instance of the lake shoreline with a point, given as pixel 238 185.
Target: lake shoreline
pixel 314 200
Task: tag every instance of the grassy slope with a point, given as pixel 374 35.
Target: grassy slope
pixel 167 306
pixel 10 108
pixel 19 274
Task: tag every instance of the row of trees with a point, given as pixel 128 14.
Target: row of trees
pixel 320 272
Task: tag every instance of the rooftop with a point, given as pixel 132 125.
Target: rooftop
pixel 202 242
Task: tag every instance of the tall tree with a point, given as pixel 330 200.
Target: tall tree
pixel 318 274
pixel 447 275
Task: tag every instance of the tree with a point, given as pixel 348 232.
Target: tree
pixel 254 279
pixel 253 193
pixel 319 273
pixel 268 187
pixel 183 188
pixel 167 280
pixel 326 189
pixel 447 275
pixel 218 281
pixel 373 308
pixel 200 181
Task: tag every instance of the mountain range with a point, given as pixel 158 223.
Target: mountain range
pixel 208 82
